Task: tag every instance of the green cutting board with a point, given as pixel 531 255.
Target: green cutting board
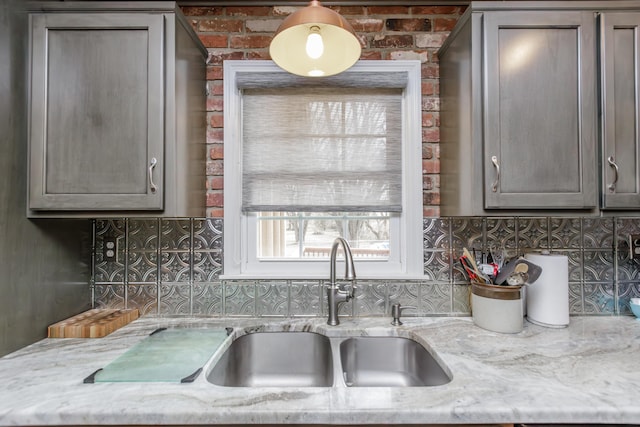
pixel 167 355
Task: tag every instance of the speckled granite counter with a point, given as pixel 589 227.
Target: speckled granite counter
pixel 587 373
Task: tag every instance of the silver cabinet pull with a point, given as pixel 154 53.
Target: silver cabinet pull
pixel 494 187
pixel 612 163
pixel 152 165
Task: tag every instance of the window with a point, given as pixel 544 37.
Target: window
pixel 308 160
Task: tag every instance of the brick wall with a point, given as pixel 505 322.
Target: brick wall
pixel 386 32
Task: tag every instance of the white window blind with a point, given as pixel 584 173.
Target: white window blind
pixel 314 149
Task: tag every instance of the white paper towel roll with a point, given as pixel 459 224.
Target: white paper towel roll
pixel 548 297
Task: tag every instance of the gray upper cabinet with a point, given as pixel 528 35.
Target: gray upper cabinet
pixel 620 74
pixel 539 132
pixel 519 115
pixel 117 112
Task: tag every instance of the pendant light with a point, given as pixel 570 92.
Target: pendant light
pixel 315 42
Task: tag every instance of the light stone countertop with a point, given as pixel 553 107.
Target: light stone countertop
pixel 586 373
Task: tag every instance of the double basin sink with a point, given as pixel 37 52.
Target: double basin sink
pixel 307 359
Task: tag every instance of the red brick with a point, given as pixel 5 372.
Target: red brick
pixel 349 10
pixel 216 40
pixel 430 103
pixel 215 136
pixel 437 10
pixel 215 199
pixel 431 135
pixel 215 213
pixel 371 55
pixel 215 88
pixel 368 25
pixel 431 198
pixel 388 10
pixel 428 88
pixel 434 40
pixel 216 152
pixel 215 183
pixel 444 24
pixel 430 71
pixel 214 72
pixel 427 151
pixel 220 25
pixel 216 120
pixel 412 24
pixel 217 58
pixel 194 24
pixel 430 211
pixel 214 103
pixel 250 42
pixel 284 10
pixel 264 54
pixel 266 25
pixel 428 120
pixel 249 11
pixel 427 183
pixel 202 11
pixel 421 56
pixel 215 167
pixel 395 41
pixel 430 166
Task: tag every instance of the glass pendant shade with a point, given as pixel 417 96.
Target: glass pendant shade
pixel 315 42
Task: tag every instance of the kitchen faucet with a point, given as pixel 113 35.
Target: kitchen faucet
pixel 336 294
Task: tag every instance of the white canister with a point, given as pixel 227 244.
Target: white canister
pixel 548 296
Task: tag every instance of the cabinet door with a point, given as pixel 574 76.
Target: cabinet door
pixel 540 111
pixel 96 123
pixel 620 157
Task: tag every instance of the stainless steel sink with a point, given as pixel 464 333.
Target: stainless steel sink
pixel 389 362
pixel 276 359
pixel 306 359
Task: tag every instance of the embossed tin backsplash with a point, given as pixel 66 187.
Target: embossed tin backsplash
pixel 172 267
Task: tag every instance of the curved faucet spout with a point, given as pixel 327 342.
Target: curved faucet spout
pixel 335 293
pixel 349 268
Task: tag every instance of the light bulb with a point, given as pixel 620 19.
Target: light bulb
pixel 315 45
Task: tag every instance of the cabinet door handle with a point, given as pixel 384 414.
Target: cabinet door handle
pixel 494 186
pixel 612 163
pixel 152 166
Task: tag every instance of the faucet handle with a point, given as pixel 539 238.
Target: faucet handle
pixel 351 288
pixel 396 312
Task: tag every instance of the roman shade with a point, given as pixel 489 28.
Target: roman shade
pixel 318 149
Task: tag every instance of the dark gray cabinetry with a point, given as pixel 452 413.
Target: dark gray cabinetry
pixel 519 119
pixel 539 132
pixel 117 111
pixel 620 74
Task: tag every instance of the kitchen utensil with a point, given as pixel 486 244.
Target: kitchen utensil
pixel 498 256
pixel 482 277
pixel 166 355
pixel 518 279
pixel 466 265
pixel 519 265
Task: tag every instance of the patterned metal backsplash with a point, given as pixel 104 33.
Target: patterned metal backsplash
pixel 171 267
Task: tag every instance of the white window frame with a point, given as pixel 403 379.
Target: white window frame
pixel 406 243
